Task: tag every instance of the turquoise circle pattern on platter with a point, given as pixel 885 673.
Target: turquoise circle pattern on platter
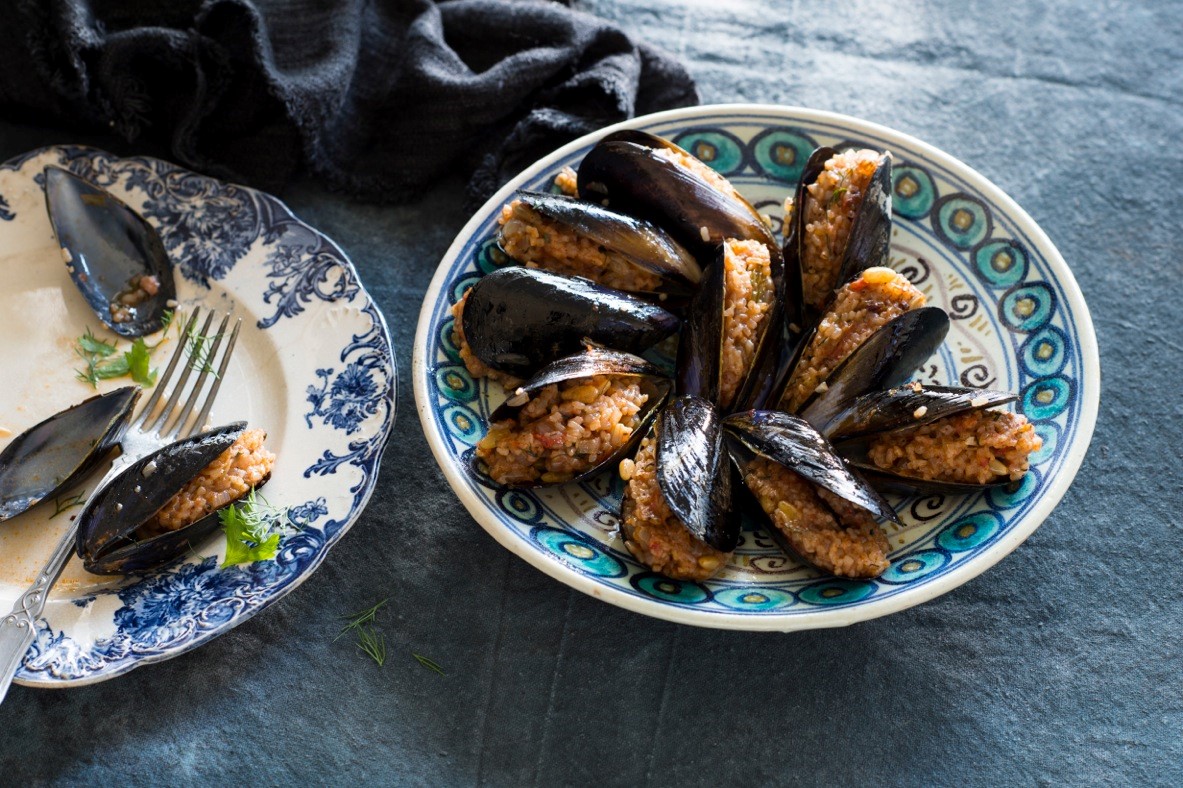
pixel 463 424
pixel 1001 263
pixel 683 592
pixel 914 566
pixel 754 598
pixel 489 257
pixel 446 343
pixel 913 191
pixel 961 221
pixel 454 383
pixel 970 531
pixel 780 154
pixel 1025 341
pixel 580 550
pixel 722 151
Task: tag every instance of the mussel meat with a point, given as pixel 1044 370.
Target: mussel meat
pixel 578 415
pixel 114 256
pixel 515 320
pixel 578 238
pixel 50 456
pixel 164 504
pixel 935 439
pixel 819 510
pixel 676 515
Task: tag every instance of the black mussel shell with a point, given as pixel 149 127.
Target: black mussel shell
pixel 904 408
pixel 909 406
pixel 793 443
pixel 518 319
pixel 49 457
pixel 887 358
pixel 693 471
pixel 631 178
pixel 106 245
pixel 644 243
pixel 107 526
pixel 869 241
pixel 593 361
pixel 700 346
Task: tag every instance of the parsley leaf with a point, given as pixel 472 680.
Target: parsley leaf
pixel 137 363
pixel 253 530
pixel 89 343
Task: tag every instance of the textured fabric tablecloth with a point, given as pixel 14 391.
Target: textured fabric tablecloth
pixel 1059 664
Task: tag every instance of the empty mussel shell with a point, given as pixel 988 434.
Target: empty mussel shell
pixel 50 456
pixel 114 256
pixel 515 320
pixel 107 540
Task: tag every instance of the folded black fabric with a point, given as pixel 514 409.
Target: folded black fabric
pixel 377 97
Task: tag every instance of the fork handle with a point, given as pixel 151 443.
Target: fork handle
pixel 19 627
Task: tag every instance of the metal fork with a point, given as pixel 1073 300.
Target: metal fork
pixel 150 430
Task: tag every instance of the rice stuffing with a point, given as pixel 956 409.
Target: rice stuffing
pixel 538 242
pixel 860 309
pixel 747 300
pixel 825 530
pixel 246 463
pixel 564 430
pixel 652 533
pixel 476 367
pixel 976 447
pixel 567 182
pixel 831 203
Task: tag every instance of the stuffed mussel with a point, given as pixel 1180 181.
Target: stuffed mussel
pixel 676 515
pixel 936 438
pixel 515 320
pixel 818 509
pixel 163 505
pixel 576 416
pixel 577 238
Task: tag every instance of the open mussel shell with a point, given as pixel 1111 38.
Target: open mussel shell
pixel 791 441
pixel 635 179
pixel 909 406
pixel 905 408
pixel 868 243
pixel 592 361
pixel 704 336
pixel 643 243
pixel 107 541
pixel 50 456
pixel 887 358
pixel 108 248
pixel 518 319
pixel 693 471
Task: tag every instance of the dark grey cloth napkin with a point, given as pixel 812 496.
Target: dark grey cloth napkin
pixel 377 97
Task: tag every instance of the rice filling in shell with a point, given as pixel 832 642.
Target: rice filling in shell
pixel 246 463
pixel 652 533
pixel 831 203
pixel 747 300
pixel 976 447
pixel 860 309
pixel 564 430
pixel 825 530
pixel 539 242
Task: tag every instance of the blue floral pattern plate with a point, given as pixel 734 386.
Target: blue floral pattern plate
pixel 313 367
pixel 1019 323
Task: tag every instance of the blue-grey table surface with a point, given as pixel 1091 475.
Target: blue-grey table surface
pixel 1062 663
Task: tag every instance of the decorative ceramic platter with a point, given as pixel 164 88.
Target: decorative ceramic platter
pixel 1019 323
pixel 313 366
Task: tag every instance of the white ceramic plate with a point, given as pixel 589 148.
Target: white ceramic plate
pixel 1019 323
pixel 313 366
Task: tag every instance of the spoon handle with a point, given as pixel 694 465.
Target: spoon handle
pixel 19 628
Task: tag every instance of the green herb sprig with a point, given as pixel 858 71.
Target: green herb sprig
pixel 102 363
pixel 253 529
pixel 430 664
pixel 369 638
pixel 61 504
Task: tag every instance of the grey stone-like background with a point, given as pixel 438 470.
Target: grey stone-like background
pixel 1060 664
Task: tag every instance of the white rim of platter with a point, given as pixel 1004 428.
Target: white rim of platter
pixel 313 366
pixel 1019 320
